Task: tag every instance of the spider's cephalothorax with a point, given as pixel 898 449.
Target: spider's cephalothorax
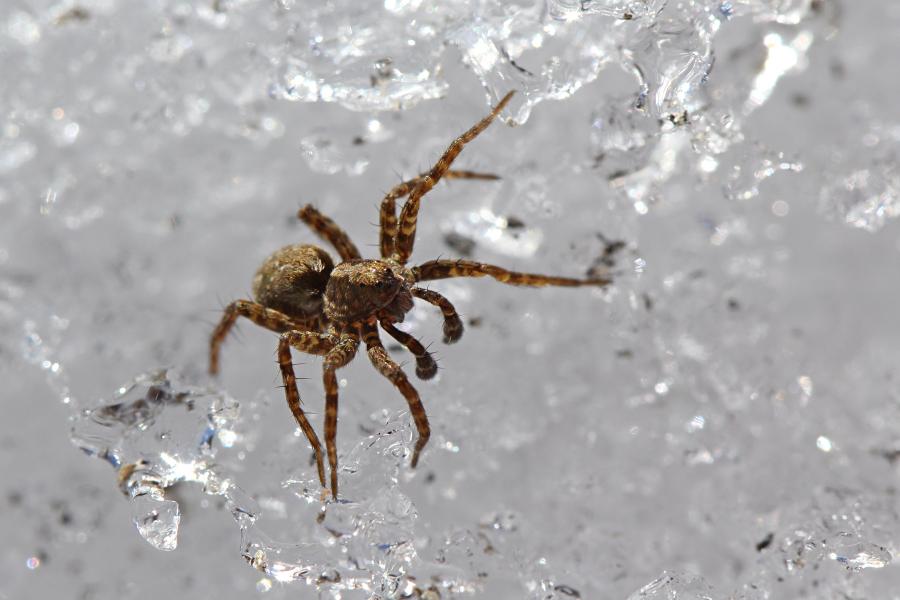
pixel 360 289
pixel 326 309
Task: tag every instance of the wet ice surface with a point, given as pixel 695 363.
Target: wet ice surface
pixel 722 422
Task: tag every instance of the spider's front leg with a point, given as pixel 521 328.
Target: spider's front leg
pixel 342 353
pixel 385 365
pixel 426 367
pixel 388 215
pixel 406 234
pixel 453 326
pixel 444 269
pixel 311 343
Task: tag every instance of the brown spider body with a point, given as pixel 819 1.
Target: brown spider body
pixel 293 279
pixel 329 310
pixel 360 289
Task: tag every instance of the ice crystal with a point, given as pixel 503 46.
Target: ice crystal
pixel 158 433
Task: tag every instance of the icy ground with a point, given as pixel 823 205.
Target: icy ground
pixel 723 422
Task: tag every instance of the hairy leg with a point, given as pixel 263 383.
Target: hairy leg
pixel 271 319
pixel 329 231
pixel 453 326
pixel 311 343
pixel 409 215
pixel 426 368
pixel 342 353
pixel 392 371
pixel 443 269
pixel 388 220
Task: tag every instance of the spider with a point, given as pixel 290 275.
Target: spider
pixel 321 308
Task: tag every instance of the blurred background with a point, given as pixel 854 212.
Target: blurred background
pixel 722 422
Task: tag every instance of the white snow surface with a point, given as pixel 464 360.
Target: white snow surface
pixel 722 422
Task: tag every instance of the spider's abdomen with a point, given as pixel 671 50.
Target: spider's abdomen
pixel 362 288
pixel 292 280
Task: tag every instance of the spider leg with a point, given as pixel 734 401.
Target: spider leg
pixel 269 318
pixel 453 326
pixel 409 215
pixel 385 365
pixel 426 368
pixel 388 219
pixel 443 269
pixel 342 353
pixel 311 343
pixel 328 230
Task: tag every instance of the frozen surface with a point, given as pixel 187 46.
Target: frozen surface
pixel 723 422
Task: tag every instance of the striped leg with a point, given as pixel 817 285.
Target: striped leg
pixel 426 368
pixel 392 371
pixel 444 269
pixel 311 343
pixel 453 326
pixel 264 317
pixel 329 231
pixel 409 215
pixel 388 220
pixel 342 353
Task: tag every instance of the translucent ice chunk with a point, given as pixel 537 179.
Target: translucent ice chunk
pixel 866 198
pixel 156 518
pixel 789 12
pixel 782 56
pixel 675 586
pixel 156 433
pixel 568 10
pixel 713 133
pixel 672 60
pixel 361 58
pixel 744 180
pixel 544 55
pixel 644 188
pixel 862 556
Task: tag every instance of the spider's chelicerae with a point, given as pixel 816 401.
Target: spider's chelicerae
pixel 326 309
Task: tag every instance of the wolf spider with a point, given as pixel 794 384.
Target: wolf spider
pixel 326 309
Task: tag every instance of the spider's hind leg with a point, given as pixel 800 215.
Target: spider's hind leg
pixel 385 365
pixel 426 367
pixel 329 231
